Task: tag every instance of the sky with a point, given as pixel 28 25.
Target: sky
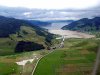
pixel 51 4
pixel 56 9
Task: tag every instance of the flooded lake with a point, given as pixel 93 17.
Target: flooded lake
pixel 55 28
pixel 57 25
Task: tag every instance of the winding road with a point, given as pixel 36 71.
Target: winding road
pixel 59 46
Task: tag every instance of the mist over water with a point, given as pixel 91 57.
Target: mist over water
pixel 56 25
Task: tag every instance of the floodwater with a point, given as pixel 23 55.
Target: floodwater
pixel 57 25
pixel 55 28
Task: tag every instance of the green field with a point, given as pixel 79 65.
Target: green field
pixel 77 58
pixel 8 64
pixel 61 61
pixel 8 68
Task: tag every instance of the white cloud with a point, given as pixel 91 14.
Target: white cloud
pixel 51 12
pixel 27 13
pixel 51 4
pixel 64 13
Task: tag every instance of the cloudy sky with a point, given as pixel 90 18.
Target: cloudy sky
pixel 50 9
pixel 51 4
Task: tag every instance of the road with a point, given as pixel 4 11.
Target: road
pixel 62 42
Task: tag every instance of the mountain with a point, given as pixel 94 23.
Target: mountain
pixel 85 25
pixel 39 23
pixel 20 35
pixel 57 21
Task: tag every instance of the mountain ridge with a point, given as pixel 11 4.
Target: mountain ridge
pixel 85 25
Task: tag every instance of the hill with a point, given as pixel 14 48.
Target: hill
pixel 39 23
pixel 20 35
pixel 85 25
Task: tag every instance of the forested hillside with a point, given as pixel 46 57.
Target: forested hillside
pixel 14 32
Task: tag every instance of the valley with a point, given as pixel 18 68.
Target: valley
pixel 49 37
pixel 26 51
pixel 77 57
pixel 55 28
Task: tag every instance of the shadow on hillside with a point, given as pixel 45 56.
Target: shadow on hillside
pixel 23 46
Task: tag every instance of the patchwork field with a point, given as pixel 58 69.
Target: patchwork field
pixel 77 58
pixel 70 62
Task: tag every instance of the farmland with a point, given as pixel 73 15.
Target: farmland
pixel 77 58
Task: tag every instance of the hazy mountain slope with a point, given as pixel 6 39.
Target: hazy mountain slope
pixel 14 32
pixel 85 25
pixel 39 23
